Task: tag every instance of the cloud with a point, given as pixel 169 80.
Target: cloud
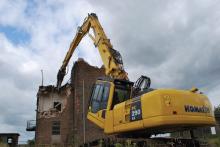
pixel 174 43
pixel 13 12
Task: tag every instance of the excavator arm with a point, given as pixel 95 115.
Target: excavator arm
pixel 111 58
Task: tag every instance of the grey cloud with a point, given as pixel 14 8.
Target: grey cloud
pixel 176 43
pixel 20 80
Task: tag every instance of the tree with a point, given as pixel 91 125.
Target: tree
pixel 31 142
pixel 217 109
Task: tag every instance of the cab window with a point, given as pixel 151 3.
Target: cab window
pixel 99 98
pixel 121 94
pixel 105 96
pixel 95 105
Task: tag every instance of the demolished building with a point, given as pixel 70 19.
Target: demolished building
pixel 60 118
pixel 53 111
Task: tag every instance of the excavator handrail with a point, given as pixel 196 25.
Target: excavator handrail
pixel 111 58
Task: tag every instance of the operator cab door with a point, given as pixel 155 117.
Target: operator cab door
pixel 98 103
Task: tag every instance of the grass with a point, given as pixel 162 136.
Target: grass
pixel 214 140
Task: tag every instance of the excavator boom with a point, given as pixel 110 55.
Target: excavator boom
pixel 111 58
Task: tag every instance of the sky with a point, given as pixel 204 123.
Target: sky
pixel 175 43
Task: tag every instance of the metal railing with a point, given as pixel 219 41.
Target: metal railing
pixel 31 125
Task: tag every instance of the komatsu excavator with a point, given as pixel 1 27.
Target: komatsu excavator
pixel 119 106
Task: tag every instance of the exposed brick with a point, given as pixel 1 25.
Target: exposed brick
pixel 71 117
pixel 82 71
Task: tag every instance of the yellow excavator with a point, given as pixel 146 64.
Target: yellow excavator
pixel 119 106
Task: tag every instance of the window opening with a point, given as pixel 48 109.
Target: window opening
pixel 56 128
pixel 10 140
pixel 57 106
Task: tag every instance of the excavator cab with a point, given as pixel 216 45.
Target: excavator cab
pixel 107 93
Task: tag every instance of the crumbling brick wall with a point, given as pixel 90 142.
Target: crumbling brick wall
pixel 47 114
pixel 83 72
pixel 71 117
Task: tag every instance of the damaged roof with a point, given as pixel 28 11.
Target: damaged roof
pixel 52 88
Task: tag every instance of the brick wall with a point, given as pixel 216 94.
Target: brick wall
pixel 71 118
pixel 46 116
pixel 82 71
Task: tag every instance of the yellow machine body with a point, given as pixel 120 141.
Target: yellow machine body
pixel 118 106
pixel 157 111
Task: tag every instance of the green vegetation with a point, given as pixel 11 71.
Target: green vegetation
pixel 31 143
pixel 3 144
pixel 214 140
pixel 217 109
